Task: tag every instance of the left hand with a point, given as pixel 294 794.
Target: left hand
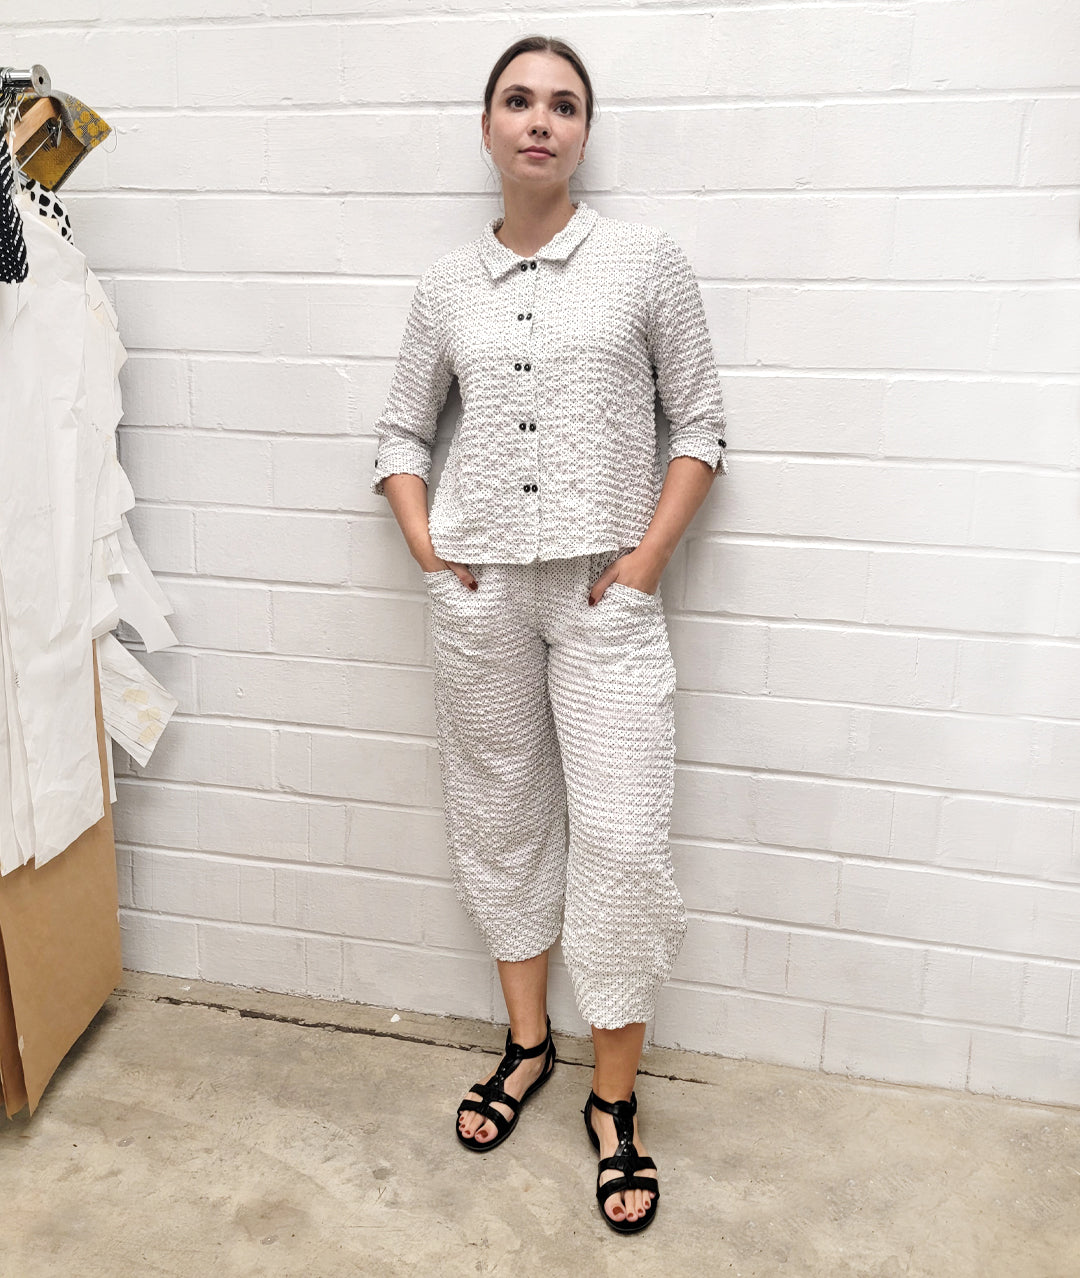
pixel 637 569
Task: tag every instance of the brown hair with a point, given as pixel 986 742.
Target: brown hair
pixel 534 44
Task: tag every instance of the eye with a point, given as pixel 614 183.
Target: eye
pixel 514 97
pixel 573 109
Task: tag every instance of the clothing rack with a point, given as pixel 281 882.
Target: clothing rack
pixel 37 81
pixel 60 955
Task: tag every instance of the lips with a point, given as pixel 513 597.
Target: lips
pixel 537 150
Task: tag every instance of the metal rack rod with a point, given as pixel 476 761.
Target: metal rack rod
pixel 37 80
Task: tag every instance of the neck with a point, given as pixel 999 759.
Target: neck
pixel 531 220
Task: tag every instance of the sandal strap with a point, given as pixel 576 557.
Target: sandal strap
pixel 622 1183
pixel 480 1107
pixel 490 1091
pixel 625 1163
pixel 609 1107
pixel 515 1054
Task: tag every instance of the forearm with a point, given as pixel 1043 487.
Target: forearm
pixel 407 495
pixel 686 486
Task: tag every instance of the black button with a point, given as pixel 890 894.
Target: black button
pixel 529 315
pixel 534 488
pixel 526 487
pixel 722 443
pixel 376 463
pixel 527 367
pixel 521 317
pixel 521 425
pixel 532 425
pixel 532 266
pixel 518 367
pixel 524 266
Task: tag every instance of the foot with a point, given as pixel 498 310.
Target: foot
pixel 631 1204
pixel 472 1124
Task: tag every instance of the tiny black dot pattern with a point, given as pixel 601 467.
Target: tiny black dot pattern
pixel 13 264
pixel 559 358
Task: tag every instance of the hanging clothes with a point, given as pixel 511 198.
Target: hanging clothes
pixel 12 244
pixel 69 567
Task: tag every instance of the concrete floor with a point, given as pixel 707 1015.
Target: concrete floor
pixel 205 1130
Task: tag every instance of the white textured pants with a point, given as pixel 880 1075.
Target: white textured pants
pixel 556 734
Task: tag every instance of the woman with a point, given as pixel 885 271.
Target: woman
pixel 549 531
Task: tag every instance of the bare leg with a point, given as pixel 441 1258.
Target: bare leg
pixel 524 987
pixel 617 1053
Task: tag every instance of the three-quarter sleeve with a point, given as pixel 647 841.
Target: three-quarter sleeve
pixel 682 354
pixel 422 376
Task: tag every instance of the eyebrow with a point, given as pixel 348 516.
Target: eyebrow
pixel 556 93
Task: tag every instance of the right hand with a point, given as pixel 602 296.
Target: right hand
pixel 464 575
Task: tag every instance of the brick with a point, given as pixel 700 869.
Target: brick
pixel 210 614
pixel 768 580
pixel 985 237
pixel 982 419
pixel 334 694
pixel 867 666
pixel 1026 1066
pixel 183 153
pixel 422 981
pixel 322 474
pixel 150 943
pixel 245 316
pixel 371 769
pixel 1035 840
pixel 165 537
pixel 272 548
pixel 782 886
pixel 258 65
pixel 915 143
pixel 718 655
pixel 738 1025
pixel 258 958
pixel 895 1049
pixel 155 390
pixel 179 466
pixel 231 754
pixel 317 623
pixel 895 327
pixel 258 233
pixel 283 397
pixel 1033 45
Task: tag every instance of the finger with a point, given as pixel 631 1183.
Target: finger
pixel 596 591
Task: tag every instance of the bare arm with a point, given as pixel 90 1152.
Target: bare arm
pixel 686 486
pixel 407 495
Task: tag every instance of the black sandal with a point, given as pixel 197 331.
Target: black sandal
pixel 492 1090
pixel 626 1159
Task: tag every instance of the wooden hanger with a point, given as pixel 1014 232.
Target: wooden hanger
pixel 32 119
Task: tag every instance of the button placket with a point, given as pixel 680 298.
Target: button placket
pixel 527 422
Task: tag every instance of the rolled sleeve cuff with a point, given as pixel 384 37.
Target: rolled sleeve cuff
pixel 711 449
pixel 399 459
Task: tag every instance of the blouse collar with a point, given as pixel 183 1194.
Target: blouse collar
pixel 499 259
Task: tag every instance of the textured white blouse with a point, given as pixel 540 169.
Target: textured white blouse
pixel 556 453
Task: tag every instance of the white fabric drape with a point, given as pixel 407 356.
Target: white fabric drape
pixel 69 567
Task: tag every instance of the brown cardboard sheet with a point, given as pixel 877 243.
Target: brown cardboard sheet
pixel 59 950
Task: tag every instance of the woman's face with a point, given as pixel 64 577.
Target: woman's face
pixel 539 101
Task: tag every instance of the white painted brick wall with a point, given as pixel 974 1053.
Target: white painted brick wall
pixel 875 617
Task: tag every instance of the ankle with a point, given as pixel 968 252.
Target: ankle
pixel 529 1033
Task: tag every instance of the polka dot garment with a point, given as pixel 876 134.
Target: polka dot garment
pixel 13 265
pixel 556 453
pixel 556 738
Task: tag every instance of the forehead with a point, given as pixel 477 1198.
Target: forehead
pixel 540 70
